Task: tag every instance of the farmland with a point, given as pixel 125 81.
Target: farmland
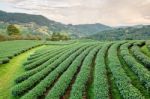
pixel 77 69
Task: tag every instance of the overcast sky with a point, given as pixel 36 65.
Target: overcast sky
pixel 109 12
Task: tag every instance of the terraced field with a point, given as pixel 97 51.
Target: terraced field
pixel 86 70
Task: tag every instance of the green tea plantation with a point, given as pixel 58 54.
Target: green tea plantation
pixel 75 70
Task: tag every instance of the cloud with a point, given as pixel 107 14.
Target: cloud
pixel 111 12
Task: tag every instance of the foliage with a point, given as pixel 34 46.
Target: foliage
pixel 58 90
pixel 80 83
pixel 27 74
pixel 52 76
pixel 142 73
pixel 58 37
pixel 41 60
pixel 12 30
pixel 31 81
pixel 101 87
pixel 122 81
pixel 141 56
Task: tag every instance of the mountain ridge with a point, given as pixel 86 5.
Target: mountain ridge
pixel 76 30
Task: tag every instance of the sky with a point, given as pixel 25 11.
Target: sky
pixel 109 12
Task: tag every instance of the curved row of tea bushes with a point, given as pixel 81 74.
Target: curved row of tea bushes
pixel 24 86
pixel 101 86
pixel 42 59
pixel 39 53
pixel 79 85
pixel 49 80
pixel 142 73
pixel 29 73
pixel 69 42
pixel 43 52
pixel 140 56
pixel 122 81
pixel 36 57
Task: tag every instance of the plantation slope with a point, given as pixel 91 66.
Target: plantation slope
pixel 9 71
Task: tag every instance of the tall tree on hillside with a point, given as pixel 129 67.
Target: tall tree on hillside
pixel 55 36
pixel 12 30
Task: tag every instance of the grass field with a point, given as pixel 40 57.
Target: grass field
pixel 79 70
pixel 9 49
pixel 11 70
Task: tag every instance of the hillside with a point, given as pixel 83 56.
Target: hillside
pixel 26 28
pixel 38 21
pixel 22 18
pixel 40 25
pixel 135 32
pixel 90 29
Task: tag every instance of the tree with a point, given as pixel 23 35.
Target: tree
pixel 64 37
pixel 12 30
pixel 58 36
pixel 55 36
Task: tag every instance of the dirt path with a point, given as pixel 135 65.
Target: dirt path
pixel 9 71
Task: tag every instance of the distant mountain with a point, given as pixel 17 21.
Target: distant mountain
pixel 37 21
pixel 38 24
pixel 124 33
pixel 90 29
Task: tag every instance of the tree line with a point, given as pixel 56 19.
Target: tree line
pixel 13 33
